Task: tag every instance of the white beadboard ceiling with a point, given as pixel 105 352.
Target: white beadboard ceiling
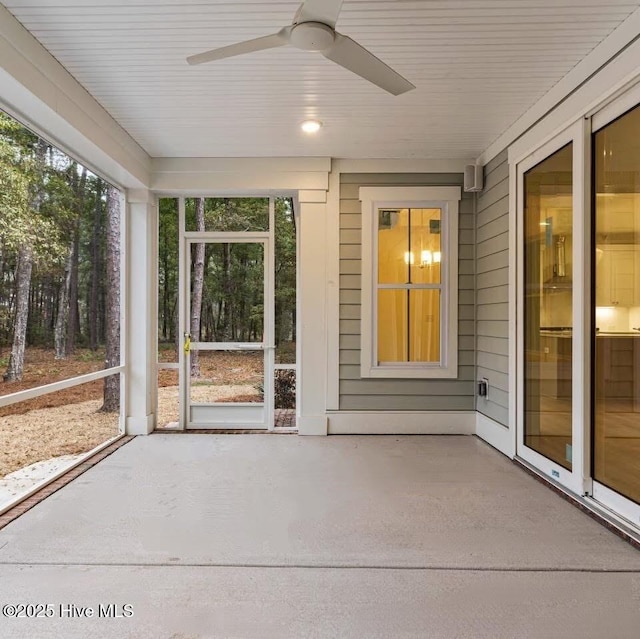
pixel 478 65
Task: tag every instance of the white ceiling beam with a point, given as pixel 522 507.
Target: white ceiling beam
pixel 205 176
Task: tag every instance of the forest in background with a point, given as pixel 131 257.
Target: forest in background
pixel 60 266
pixel 59 257
pixel 227 302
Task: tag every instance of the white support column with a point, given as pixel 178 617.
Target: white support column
pixel 312 416
pixel 141 321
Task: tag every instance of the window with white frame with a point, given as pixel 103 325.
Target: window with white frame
pixel 409 282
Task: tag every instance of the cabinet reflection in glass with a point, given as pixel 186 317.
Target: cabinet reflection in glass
pixel 548 273
pixel 616 264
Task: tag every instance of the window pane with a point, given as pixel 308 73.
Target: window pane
pixel 548 223
pixel 392 326
pixel 393 246
pixel 424 320
pixel 426 248
pixel 616 437
pixel 227 214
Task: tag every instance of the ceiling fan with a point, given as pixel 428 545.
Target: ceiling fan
pixel 313 29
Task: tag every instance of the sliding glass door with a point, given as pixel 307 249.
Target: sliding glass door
pixel 550 309
pixel 578 308
pixel 548 316
pixel 616 322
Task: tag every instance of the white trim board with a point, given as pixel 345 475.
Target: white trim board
pixel 241 165
pixel 514 362
pixel 269 176
pixel 402 423
pixel 136 425
pixel 312 425
pixel 413 165
pixel 212 184
pixel 332 286
pixel 496 435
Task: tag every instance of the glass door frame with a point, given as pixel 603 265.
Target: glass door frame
pixel 578 478
pixel 600 493
pixel 187 239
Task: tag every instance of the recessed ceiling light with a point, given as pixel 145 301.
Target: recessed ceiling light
pixel 311 126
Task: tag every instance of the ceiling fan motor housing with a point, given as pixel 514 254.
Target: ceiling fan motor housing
pixel 312 36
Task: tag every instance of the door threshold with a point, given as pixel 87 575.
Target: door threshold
pixel 225 431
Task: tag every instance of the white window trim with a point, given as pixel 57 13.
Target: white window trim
pixel 446 198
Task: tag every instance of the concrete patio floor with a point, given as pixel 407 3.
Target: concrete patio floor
pixel 283 536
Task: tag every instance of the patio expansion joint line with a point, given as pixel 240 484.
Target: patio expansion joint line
pixel 423 568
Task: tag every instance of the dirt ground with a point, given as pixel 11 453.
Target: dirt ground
pixel 69 422
pixel 42 368
pixel 51 432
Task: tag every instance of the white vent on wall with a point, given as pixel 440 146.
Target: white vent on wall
pixel 473 178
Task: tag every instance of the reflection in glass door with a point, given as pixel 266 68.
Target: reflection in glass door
pixel 578 309
pixel 548 299
pixel 616 270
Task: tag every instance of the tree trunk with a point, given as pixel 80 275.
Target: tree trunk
pixel 176 330
pixel 23 285
pixel 112 277
pixel 164 261
pixel 24 268
pixel 198 284
pixel 95 269
pixel 60 333
pixel 74 311
pixel 227 290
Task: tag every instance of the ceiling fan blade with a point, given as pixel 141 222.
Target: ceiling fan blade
pixel 249 46
pixel 350 55
pixel 325 11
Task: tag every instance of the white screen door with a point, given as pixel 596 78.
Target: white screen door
pixel 227 354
